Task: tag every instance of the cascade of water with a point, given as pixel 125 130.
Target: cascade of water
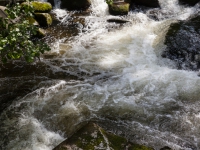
pixel 124 79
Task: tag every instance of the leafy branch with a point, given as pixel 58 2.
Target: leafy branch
pixel 109 2
pixel 17 35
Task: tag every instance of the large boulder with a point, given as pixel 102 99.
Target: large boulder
pixel 44 19
pixel 93 137
pixel 182 41
pixel 189 2
pixel 148 3
pixel 41 7
pixel 75 4
pixel 119 8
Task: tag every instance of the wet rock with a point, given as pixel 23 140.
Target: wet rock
pixel 92 136
pixel 2 12
pixel 117 20
pixel 119 8
pixel 166 148
pixel 75 4
pixel 44 19
pixel 182 41
pixel 41 33
pixel 32 21
pixel 148 3
pixel 41 7
pixel 189 2
pixel 19 78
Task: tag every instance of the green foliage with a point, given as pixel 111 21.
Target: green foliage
pixel 109 2
pixel 16 36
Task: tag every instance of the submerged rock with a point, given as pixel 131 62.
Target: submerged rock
pixel 166 148
pixel 182 41
pixel 44 19
pixel 118 20
pixel 189 2
pixel 75 4
pixel 148 3
pixel 119 8
pixel 93 137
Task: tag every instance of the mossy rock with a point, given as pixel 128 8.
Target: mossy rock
pixel 120 8
pixel 32 21
pixel 41 7
pixel 75 4
pixel 40 33
pixel 44 19
pixel 93 137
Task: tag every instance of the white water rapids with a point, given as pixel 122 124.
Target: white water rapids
pixel 124 80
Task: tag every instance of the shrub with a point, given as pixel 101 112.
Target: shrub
pixel 16 36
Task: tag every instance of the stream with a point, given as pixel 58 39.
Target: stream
pixel 120 80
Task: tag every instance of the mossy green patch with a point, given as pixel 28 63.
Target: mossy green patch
pixel 42 7
pixel 40 33
pixel 92 137
pixel 44 19
pixel 119 8
pixel 32 21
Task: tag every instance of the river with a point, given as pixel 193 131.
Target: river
pixel 121 79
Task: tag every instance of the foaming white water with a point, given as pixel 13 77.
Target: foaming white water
pixel 123 80
pixel 99 7
pixel 171 7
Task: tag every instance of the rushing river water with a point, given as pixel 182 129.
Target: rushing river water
pixel 121 79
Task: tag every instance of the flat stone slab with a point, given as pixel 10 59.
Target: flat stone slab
pixel 93 137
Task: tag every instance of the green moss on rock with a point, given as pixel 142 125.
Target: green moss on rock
pixel 42 7
pixel 121 8
pixel 44 19
pixel 32 21
pixel 41 33
pixel 92 137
